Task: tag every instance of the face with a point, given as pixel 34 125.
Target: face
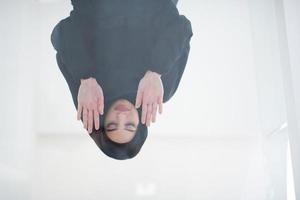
pixel 121 121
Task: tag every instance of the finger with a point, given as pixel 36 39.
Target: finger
pixel 154 110
pixel 90 121
pixel 96 119
pixel 160 102
pixel 149 112
pixel 138 100
pixel 100 106
pixel 79 111
pixel 85 117
pixel 144 112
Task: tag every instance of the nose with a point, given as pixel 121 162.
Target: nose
pixel 122 114
pixel 121 117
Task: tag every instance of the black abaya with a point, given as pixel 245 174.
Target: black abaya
pixel 117 41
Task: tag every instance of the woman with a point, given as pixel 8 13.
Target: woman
pixel 122 59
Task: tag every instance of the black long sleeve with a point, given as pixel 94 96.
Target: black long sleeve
pixel 173 33
pixel 73 37
pixel 117 43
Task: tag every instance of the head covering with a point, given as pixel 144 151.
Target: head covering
pixel 116 150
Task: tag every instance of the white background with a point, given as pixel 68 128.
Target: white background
pixel 212 141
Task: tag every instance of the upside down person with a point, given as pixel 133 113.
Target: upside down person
pixel 121 59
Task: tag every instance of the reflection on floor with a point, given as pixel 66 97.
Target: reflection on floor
pixel 72 167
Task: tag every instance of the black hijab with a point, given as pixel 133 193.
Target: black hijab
pixel 110 148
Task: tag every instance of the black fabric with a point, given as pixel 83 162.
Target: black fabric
pixel 175 2
pixel 125 150
pixel 117 43
pixel 108 147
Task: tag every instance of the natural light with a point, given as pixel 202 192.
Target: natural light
pixel 290 179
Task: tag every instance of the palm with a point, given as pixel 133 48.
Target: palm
pixel 90 103
pixel 150 95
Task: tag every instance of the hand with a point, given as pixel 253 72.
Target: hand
pixel 150 93
pixel 90 101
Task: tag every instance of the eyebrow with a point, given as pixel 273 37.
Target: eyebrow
pixel 131 123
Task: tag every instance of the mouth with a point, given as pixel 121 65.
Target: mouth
pixel 121 107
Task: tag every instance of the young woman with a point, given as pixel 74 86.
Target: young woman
pixel 122 59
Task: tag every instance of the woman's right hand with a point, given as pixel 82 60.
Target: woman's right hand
pixel 90 103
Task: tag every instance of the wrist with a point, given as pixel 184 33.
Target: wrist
pixel 154 73
pixel 88 80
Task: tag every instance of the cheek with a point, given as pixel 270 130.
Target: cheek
pixel 108 117
pixel 136 117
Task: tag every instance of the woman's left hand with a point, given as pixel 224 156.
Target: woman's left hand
pixel 150 94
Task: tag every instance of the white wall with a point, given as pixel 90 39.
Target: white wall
pixel 232 86
pixel 16 85
pixel 266 54
pixel 289 13
pixel 218 90
pixel 270 93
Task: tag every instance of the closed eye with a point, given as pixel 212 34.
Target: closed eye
pixel 130 124
pixel 109 130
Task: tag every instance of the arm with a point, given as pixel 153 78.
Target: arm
pixel 172 33
pixel 72 38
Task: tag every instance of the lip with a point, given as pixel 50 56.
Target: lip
pixel 121 108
